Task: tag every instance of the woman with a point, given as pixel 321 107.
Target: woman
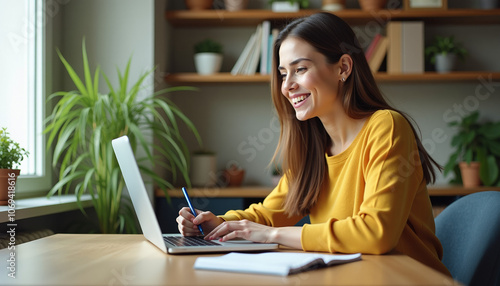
pixel 352 162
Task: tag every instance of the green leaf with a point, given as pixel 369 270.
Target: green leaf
pixel 452 162
pixel 490 131
pixel 76 80
pixel 489 171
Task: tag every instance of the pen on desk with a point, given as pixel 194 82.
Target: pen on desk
pixel 191 207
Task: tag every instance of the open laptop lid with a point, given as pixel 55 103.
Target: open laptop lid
pixel 146 215
pixel 137 191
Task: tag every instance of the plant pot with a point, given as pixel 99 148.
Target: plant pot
pixel 333 5
pixel 489 4
pixel 234 177
pixel 8 179
pixel 207 63
pixel 285 6
pixel 372 5
pixel 470 174
pixel 235 5
pixel 199 4
pixel 445 62
pixel 203 170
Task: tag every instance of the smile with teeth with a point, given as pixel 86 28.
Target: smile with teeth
pixel 299 99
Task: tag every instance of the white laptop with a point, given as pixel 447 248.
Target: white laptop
pixel 168 243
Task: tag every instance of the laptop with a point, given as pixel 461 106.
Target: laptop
pixel 168 243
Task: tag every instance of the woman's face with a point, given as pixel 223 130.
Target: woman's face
pixel 309 83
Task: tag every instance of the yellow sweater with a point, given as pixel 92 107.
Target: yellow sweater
pixel 374 200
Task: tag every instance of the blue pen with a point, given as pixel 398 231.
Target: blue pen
pixel 191 207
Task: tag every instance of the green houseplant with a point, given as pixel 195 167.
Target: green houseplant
pixel 208 56
pixel 292 5
pixel 11 155
pixel 84 122
pixel 443 53
pixel 476 142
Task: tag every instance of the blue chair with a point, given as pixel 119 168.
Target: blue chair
pixel 469 230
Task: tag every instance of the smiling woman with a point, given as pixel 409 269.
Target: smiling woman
pixel 351 162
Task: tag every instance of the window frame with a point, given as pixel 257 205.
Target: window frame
pixel 39 184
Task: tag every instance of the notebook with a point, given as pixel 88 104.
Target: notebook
pixel 273 263
pixel 168 243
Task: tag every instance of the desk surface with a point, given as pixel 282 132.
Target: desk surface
pixel 69 259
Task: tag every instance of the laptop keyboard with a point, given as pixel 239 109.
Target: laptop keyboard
pixel 189 241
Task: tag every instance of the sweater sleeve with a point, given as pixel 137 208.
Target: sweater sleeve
pixel 270 212
pixel 392 173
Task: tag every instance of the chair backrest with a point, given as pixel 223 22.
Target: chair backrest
pixel 469 230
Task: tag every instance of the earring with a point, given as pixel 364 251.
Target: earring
pixel 343 79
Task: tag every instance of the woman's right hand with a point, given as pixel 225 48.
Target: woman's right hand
pixel 188 223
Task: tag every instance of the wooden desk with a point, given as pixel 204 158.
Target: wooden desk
pixel 69 259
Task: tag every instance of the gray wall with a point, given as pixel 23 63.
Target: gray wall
pixel 114 30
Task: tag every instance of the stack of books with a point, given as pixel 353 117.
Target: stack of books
pixel 402 47
pixel 256 56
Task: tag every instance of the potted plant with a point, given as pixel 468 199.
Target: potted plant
pixel 288 5
pixel 208 57
pixel 203 168
pixel 372 5
pixel 443 53
pixel 477 146
pixel 11 155
pixel 235 5
pixel 84 122
pixel 234 175
pixel 199 4
pixel 333 5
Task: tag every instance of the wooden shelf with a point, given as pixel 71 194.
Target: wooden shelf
pixel 437 77
pixel 215 78
pixel 185 18
pixel 240 192
pixel 181 78
pixel 450 190
pixel 263 191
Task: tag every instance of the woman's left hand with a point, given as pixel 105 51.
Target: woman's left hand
pixel 243 229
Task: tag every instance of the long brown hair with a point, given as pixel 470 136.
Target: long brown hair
pixel 302 144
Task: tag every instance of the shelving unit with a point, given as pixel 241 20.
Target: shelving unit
pixel 222 18
pixel 249 18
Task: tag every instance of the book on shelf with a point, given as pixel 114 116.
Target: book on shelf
pixel 257 53
pixel 254 57
pixel 405 53
pixel 266 31
pixel 371 48
pixel 238 66
pixel 378 54
pixel 273 263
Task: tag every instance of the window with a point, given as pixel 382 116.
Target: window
pixel 22 86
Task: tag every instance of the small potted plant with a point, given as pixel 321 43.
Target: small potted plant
pixel 203 170
pixel 288 5
pixel 235 5
pixel 11 155
pixel 477 150
pixel 199 4
pixel 234 175
pixel 372 5
pixel 208 57
pixel 443 53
